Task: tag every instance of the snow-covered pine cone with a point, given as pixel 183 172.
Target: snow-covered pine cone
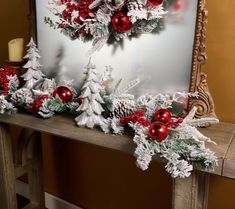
pixel 123 108
pixel 22 96
pixel 135 5
pixel 136 10
pixel 114 4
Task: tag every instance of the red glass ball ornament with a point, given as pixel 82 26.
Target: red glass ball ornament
pixel 64 93
pixel 158 131
pixel 121 22
pixel 154 3
pixel 162 115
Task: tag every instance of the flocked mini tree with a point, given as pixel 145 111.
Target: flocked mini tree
pixel 91 109
pixel 33 66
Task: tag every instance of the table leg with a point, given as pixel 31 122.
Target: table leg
pixel 191 192
pixel 29 161
pixel 36 191
pixel 7 174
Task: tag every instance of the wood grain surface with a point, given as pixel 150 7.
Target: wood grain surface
pixel 7 174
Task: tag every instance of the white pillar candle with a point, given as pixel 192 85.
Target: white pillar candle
pixel 16 49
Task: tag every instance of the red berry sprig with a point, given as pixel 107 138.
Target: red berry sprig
pixel 4 81
pixel 138 117
pixel 37 103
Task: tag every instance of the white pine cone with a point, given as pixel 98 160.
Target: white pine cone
pixel 135 5
pixel 123 108
pixel 22 96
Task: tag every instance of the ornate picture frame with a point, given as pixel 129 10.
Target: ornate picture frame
pixel 204 103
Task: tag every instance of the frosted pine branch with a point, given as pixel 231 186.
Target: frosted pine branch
pixel 115 125
pixel 136 10
pixel 45 110
pixel 202 122
pixel 128 87
pixel 13 83
pixel 156 13
pixel 190 120
pixel 5 106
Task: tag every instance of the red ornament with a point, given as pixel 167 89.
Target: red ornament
pixel 158 131
pixel 162 115
pixel 121 22
pixel 64 93
pixel 154 3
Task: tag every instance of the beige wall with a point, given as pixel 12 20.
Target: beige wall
pixel 221 78
pixel 221 52
pixel 96 178
pixel 13 23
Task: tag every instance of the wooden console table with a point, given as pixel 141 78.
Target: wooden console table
pixel 188 193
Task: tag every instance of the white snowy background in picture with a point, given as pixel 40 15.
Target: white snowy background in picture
pixel 162 61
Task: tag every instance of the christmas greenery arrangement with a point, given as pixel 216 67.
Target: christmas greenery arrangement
pixel 98 104
pixel 107 20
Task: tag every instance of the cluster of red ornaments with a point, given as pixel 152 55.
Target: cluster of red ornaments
pixel 4 81
pixel 158 130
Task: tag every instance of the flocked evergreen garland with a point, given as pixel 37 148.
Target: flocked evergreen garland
pixel 107 20
pixel 156 129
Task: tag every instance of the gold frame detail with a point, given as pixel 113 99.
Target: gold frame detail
pixel 204 102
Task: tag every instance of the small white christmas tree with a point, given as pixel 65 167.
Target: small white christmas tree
pixel 33 66
pixel 91 109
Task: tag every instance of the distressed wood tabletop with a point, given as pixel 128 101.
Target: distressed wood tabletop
pixel 64 126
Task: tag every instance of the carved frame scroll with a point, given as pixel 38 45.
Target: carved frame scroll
pixel 204 102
